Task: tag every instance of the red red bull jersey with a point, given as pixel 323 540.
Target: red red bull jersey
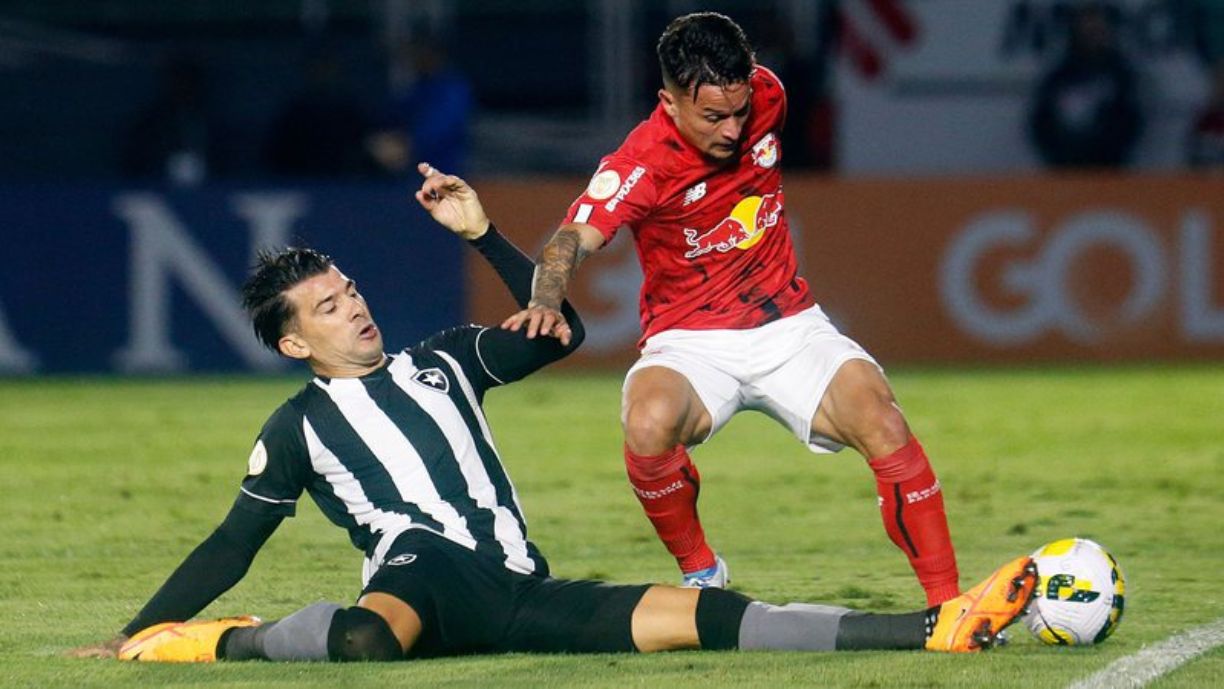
pixel 712 238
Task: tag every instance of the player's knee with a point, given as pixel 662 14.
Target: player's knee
pixel 884 428
pixel 891 421
pixel 874 425
pixel 358 634
pixel 652 426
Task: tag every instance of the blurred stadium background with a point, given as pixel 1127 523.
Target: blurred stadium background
pixel 954 199
pixel 965 187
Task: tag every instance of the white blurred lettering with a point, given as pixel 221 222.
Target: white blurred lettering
pixel 1201 322
pixel 162 249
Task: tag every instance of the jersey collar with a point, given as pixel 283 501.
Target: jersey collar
pixel 386 362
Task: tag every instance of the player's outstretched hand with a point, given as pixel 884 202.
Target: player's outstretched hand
pixel 540 320
pixel 106 649
pixel 452 203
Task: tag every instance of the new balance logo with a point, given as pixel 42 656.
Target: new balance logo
pixel 695 194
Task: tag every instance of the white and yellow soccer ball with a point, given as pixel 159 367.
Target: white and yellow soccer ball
pixel 1080 593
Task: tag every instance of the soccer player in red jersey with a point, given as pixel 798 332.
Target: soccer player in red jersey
pixel 727 322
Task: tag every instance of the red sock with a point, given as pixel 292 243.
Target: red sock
pixel 912 507
pixel 667 485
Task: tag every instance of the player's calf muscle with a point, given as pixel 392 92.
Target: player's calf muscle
pixel 666 620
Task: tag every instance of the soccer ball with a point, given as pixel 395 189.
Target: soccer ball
pixel 1079 595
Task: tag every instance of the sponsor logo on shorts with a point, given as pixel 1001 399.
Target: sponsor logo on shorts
pixel 660 493
pixel 404 559
pixel 630 182
pixel 919 495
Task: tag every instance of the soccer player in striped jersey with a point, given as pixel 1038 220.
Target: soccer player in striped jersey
pixel 396 450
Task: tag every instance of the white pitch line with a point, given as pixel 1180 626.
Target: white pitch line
pixel 1150 662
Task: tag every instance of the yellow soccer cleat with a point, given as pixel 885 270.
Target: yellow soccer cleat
pixel 972 621
pixel 182 642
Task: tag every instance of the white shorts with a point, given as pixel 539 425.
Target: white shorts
pixel 781 368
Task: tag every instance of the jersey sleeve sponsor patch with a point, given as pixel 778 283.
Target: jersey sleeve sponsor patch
pixel 278 467
pixel 621 193
pixel 603 185
pixel 258 461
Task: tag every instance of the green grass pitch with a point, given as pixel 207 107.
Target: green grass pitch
pixel 108 483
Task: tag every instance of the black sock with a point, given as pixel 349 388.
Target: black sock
pixel 242 643
pixel 863 631
pixel 361 634
pixel 719 614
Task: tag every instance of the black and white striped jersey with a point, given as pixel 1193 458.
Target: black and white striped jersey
pixel 404 447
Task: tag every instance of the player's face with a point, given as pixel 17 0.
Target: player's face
pixel 332 327
pixel 713 122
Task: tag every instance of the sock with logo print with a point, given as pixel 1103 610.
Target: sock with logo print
pixel 912 507
pixel 667 485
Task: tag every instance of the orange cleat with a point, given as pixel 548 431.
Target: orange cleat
pixel 182 642
pixel 973 620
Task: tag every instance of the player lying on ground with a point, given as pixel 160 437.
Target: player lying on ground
pixel 396 449
pixel 727 322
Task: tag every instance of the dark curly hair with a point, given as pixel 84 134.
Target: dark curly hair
pixel 263 294
pixel 704 48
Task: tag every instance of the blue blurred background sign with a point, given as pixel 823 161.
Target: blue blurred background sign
pixel 147 280
pixel 147 148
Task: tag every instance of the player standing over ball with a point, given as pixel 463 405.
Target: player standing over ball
pixel 727 323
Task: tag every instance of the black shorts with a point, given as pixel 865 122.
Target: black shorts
pixel 470 603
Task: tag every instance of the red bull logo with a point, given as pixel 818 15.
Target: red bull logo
pixel 765 151
pixel 746 225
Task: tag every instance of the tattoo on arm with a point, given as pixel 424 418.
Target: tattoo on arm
pixel 558 262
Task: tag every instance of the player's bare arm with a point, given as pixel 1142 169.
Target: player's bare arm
pixel 558 262
pixel 560 259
